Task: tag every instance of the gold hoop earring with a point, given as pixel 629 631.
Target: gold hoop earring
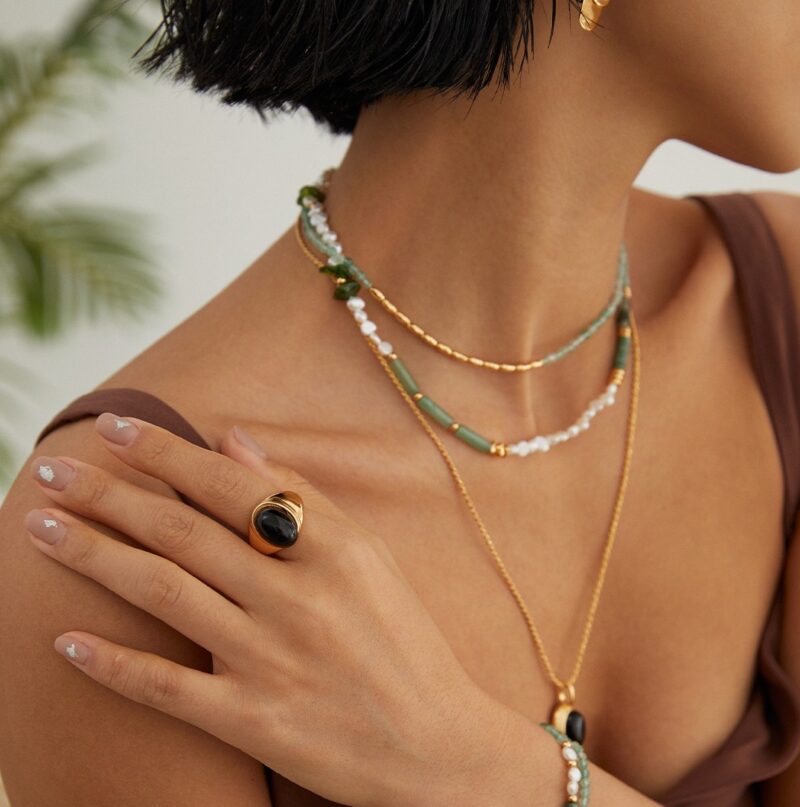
pixel 590 13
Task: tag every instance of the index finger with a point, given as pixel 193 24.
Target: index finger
pixel 225 487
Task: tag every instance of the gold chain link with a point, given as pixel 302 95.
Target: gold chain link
pixel 633 407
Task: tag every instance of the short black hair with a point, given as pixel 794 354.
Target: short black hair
pixel 334 57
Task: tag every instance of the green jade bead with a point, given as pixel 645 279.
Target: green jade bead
pixel 431 408
pixel 471 438
pixel 346 290
pixel 310 190
pixel 404 377
pixel 342 261
pixel 621 356
pixel 312 236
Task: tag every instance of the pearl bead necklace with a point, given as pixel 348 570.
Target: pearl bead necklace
pixel 316 226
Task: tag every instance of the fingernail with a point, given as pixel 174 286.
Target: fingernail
pixel 71 648
pixel 116 430
pixel 44 526
pixel 249 442
pixel 51 472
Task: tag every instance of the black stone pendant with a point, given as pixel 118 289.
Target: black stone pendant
pixel 276 527
pixel 576 726
pixel 566 718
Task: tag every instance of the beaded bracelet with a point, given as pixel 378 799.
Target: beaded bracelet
pixel 578 785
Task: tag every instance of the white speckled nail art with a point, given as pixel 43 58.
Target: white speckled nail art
pixel 47 473
pixel 121 424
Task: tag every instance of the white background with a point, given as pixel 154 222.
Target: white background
pixel 218 187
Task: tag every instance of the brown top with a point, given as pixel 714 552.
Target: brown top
pixel 767 738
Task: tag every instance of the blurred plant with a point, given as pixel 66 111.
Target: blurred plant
pixel 61 262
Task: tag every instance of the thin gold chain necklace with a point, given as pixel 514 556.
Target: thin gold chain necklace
pixel 506 367
pixel 563 714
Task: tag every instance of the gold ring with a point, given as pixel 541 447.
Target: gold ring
pixel 275 522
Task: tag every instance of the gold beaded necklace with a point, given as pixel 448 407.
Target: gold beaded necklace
pixel 476 361
pixel 563 715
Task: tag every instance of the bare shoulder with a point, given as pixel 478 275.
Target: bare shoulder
pixel 212 366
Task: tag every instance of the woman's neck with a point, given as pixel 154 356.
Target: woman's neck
pixel 499 230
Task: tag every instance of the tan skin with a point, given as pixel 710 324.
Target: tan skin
pixel 524 199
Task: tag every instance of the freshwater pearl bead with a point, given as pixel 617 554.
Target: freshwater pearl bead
pixel 360 316
pixel 385 348
pixel 354 303
pixel 573 788
pixel 368 327
pixel 374 337
pixel 575 774
pixel 569 753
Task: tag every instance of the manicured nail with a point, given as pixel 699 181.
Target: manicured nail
pixel 249 442
pixel 71 648
pixel 51 472
pixel 116 430
pixel 44 526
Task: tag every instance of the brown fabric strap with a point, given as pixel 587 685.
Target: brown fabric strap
pixel 771 320
pixel 125 401
pixel 135 403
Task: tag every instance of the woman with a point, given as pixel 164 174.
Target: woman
pixel 381 658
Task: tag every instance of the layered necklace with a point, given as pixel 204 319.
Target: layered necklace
pixel 564 719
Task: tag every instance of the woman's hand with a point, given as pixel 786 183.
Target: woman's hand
pixel 327 667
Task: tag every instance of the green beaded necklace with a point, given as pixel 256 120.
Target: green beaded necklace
pixel 350 278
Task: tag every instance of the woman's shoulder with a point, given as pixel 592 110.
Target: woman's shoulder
pixel 216 364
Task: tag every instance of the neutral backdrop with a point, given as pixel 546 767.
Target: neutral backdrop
pixel 218 187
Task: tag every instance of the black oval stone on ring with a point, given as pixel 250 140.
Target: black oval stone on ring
pixel 276 527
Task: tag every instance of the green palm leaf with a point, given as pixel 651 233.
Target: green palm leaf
pixel 61 263
pixel 47 77
pixel 70 263
pixel 28 175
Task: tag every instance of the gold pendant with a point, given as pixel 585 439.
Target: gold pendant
pixel 565 717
